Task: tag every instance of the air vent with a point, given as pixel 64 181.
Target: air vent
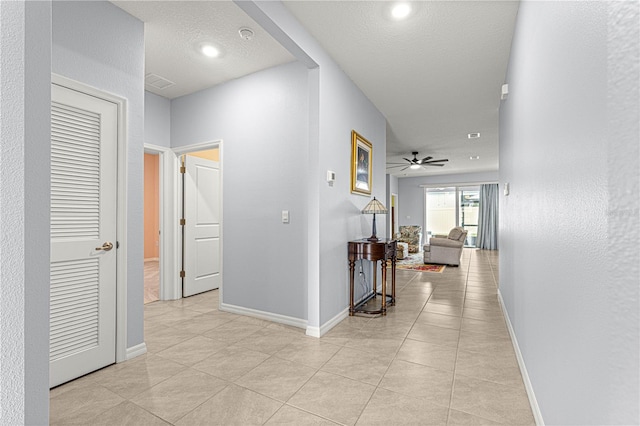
pixel 157 82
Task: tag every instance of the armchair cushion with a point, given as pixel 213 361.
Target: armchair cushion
pixel 455 233
pixel 412 235
pixel 445 242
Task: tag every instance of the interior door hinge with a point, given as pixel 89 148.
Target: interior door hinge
pixel 183 169
pixel 183 222
pixel 181 274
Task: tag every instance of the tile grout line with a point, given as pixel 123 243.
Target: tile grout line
pixel 455 363
pixel 404 339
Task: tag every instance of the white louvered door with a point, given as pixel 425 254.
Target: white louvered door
pixel 83 219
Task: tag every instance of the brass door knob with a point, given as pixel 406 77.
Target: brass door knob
pixel 106 246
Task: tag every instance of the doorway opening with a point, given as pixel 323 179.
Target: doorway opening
pixel 151 227
pixel 200 212
pixel 394 216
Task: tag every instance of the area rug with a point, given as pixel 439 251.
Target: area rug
pixel 415 262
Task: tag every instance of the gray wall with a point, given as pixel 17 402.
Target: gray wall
pixel 343 108
pixel 302 131
pixel 336 106
pixel 569 229
pixel 262 119
pixel 411 192
pixel 97 43
pixel 157 120
pixel 25 84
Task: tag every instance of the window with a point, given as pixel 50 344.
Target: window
pixel 447 207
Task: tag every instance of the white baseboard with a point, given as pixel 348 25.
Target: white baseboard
pixel 324 328
pixel 281 319
pixel 537 414
pixel 152 259
pixel 136 350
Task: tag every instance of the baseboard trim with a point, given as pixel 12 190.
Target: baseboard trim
pixel 136 350
pixel 535 408
pixel 324 328
pixel 269 316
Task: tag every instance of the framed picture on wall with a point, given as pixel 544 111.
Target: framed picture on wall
pixel 361 156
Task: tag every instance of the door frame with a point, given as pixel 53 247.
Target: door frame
pixel 121 208
pixel 166 218
pixel 176 288
pixel 394 220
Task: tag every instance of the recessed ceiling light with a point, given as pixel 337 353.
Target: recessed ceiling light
pixel 209 50
pixel 474 157
pixel 473 135
pixel 401 10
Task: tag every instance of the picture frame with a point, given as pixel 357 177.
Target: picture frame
pixel 361 164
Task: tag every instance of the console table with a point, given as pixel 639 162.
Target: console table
pixel 384 250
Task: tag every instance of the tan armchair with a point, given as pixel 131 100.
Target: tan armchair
pixel 446 250
pixel 412 235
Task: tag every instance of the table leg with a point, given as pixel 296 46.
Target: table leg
pixel 352 266
pixel 393 280
pixel 383 306
pixel 375 280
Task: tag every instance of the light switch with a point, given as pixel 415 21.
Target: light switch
pixel 285 216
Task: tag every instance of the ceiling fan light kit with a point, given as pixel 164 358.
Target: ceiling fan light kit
pixel 415 163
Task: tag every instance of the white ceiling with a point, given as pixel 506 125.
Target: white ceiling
pixel 436 76
pixel 174 31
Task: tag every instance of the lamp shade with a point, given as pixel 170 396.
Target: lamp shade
pixel 374 207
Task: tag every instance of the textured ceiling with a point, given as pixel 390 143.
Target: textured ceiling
pixel 436 76
pixel 174 31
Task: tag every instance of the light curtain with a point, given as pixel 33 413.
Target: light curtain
pixel 488 217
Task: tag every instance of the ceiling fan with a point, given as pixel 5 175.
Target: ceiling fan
pixel 415 164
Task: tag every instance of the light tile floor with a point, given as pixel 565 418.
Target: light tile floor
pixel 151 281
pixel 442 356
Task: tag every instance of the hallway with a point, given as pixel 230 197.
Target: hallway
pixel 442 356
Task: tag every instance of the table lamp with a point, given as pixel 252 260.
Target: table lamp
pixel 374 207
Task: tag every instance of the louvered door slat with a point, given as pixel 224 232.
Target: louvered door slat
pixel 65 294
pixel 69 314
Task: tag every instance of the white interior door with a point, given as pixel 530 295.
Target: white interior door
pixel 202 226
pixel 83 228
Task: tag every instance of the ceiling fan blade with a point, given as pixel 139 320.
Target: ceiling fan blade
pixel 406 159
pixel 399 165
pixel 432 164
pixel 436 161
pixel 425 159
